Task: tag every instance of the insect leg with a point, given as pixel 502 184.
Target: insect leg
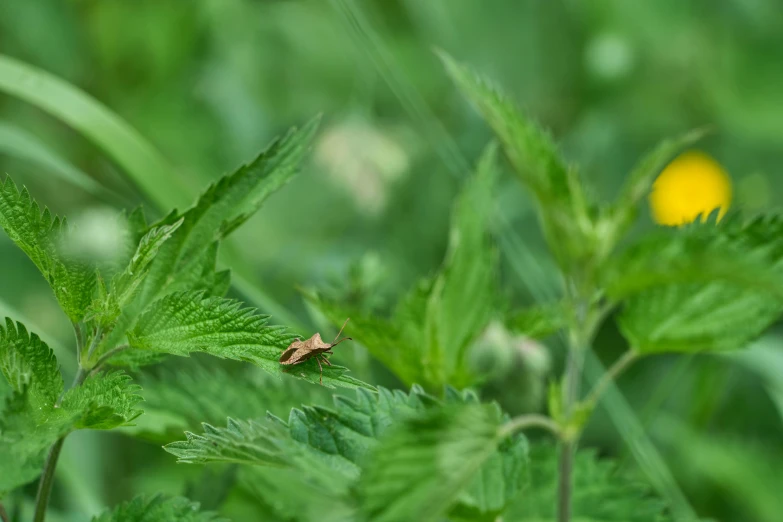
pixel 321 377
pixel 326 360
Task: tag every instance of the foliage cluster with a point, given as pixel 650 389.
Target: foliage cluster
pixel 437 451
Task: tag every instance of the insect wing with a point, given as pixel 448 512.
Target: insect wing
pixel 290 356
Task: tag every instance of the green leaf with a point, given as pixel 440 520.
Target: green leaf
pixel 29 421
pixel 704 287
pixel 325 449
pixel 419 469
pixel 176 400
pixel 241 442
pixel 389 341
pixel 316 453
pixel 745 254
pixel 341 436
pixel 427 337
pixel 40 235
pixel 538 321
pixel 186 322
pixel 531 151
pixel 562 205
pixel 26 434
pixel 640 180
pixel 697 317
pixel 500 478
pixel 600 492
pixel 202 274
pixel 103 401
pixel 158 508
pixel 28 429
pixel 125 285
pixel 28 364
pixel 462 299
pixel 225 205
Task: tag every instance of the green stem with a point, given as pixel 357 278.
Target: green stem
pixel 565 470
pixel 95 342
pixel 579 341
pixel 105 357
pixel 3 514
pixel 619 366
pixel 530 421
pixel 47 476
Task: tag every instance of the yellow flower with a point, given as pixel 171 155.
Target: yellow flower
pixel 692 184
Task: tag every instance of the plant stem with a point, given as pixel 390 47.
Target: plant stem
pixel 95 342
pixel 564 480
pixel 619 366
pixel 45 485
pixel 47 476
pixel 579 341
pixel 3 514
pixel 108 355
pixel 530 421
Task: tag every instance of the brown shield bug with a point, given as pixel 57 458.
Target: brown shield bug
pixel 300 351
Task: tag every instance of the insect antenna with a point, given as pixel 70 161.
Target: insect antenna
pixel 336 342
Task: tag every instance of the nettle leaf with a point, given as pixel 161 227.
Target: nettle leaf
pixel 240 442
pixel 27 430
pixel 744 254
pixel 126 284
pixel 29 422
pixel 704 287
pixel 186 322
pixel 158 508
pixel 225 206
pixel 462 299
pixel 538 321
pixel 500 478
pixel 426 339
pixel 202 274
pixel 28 364
pixel 26 434
pixel 31 419
pixel 316 454
pixel 336 445
pixel 697 317
pixel 384 339
pixel 41 236
pixel 103 401
pixel 341 436
pixel 495 485
pixel 640 180
pixel 420 468
pixel 181 399
pixel 600 492
pixel 562 203
pixel 187 261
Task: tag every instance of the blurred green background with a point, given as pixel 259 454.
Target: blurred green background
pixel 210 82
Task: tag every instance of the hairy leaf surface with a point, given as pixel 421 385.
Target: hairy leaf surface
pixel 463 295
pixel 41 236
pixel 28 364
pixel 186 322
pixel 126 285
pixel 158 508
pixel 31 420
pixel 562 204
pixel 226 205
pixel 419 470
pixel 336 445
pixel 710 286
